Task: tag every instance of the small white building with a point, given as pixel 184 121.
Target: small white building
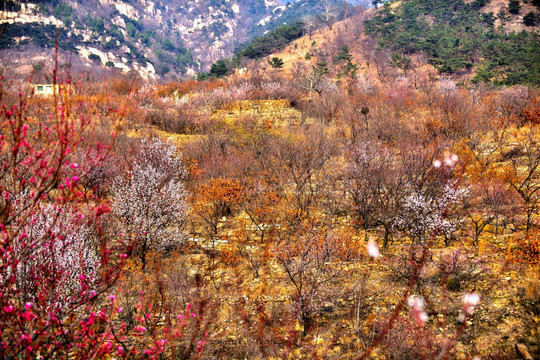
pixel 44 89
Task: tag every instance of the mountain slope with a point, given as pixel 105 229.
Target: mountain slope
pixel 461 36
pixel 419 38
pixel 167 38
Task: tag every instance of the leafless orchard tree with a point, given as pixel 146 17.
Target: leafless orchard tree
pixel 309 22
pixel 524 174
pixel 310 80
pixel 328 14
pixel 302 161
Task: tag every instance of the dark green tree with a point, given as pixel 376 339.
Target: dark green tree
pixel 321 68
pixel 376 3
pixel 9 5
pixel 276 63
pixel 95 58
pixel 401 61
pixel 514 7
pixel 344 55
pixel 219 69
pixel 531 19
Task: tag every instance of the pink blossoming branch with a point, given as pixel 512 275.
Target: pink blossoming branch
pixel 58 266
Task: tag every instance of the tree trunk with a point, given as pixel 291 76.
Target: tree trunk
pixel 386 236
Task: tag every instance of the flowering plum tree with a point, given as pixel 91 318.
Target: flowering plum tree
pixel 424 216
pixel 151 201
pixel 54 264
pixel 71 257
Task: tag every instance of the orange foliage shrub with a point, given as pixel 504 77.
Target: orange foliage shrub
pixel 216 199
pixel 529 250
pixel 532 113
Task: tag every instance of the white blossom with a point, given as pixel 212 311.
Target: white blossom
pixel 274 90
pixel 151 202
pixel 471 301
pixel 423 215
pixel 365 85
pixel 447 86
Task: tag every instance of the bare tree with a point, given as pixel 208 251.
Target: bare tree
pixel 367 49
pixel 308 259
pixel 360 5
pixel 328 14
pixel 310 80
pixel 378 186
pixel 308 22
pixel 524 173
pixel 301 162
pixel 486 204
pixel 380 59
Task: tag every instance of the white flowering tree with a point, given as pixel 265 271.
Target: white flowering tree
pixel 151 201
pixel 424 216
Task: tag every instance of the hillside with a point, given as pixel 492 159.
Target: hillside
pixel 266 216
pixel 162 38
pixel 466 42
pixel 328 192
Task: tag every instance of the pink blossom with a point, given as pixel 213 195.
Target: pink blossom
pixel 470 301
pixel 373 249
pixel 450 159
pixel 112 297
pixel 417 306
